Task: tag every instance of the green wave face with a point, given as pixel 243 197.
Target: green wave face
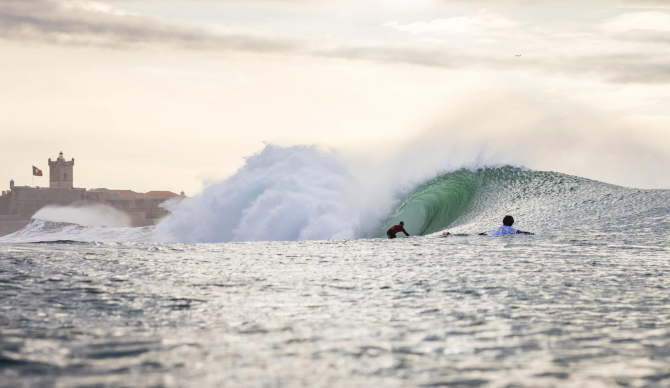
pixel 464 195
pixel 438 203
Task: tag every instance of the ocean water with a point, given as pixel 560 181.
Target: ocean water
pixel 583 303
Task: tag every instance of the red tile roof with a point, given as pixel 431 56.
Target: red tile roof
pixel 148 194
pixel 161 194
pixel 119 191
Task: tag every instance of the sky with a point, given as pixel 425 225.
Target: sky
pixel 173 95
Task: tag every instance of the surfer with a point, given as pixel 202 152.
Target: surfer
pixel 504 230
pixel 395 230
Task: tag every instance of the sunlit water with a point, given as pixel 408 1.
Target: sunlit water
pixel 521 311
pixel 584 303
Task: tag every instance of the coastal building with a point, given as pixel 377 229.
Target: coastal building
pixel 61 173
pixel 20 203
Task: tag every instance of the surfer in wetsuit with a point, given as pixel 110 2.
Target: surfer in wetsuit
pixel 504 230
pixel 395 230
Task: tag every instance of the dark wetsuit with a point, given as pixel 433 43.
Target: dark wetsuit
pixel 395 230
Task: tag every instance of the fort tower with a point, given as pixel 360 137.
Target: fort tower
pixel 61 173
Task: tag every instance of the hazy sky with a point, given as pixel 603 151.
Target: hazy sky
pixel 166 95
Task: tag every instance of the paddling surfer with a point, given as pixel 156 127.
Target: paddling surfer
pixel 395 230
pixel 504 230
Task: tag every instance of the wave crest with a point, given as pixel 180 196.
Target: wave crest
pixel 293 193
pixel 303 193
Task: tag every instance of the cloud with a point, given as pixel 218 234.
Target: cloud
pixel 92 23
pixel 80 22
pixel 457 25
pixel 641 3
pixel 619 68
pixel 648 27
pixel 614 68
pixel 646 36
pixel 633 21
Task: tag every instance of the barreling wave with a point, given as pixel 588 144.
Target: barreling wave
pixel 472 195
pixel 303 193
pixel 435 205
pixel 472 201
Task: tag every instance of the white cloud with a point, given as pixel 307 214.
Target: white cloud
pixel 91 23
pixel 95 7
pixel 457 25
pixel 634 21
pixel 81 23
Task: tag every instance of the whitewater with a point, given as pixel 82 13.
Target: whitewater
pixel 280 276
pixel 305 193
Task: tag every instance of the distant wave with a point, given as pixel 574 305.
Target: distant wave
pixel 40 231
pixel 90 215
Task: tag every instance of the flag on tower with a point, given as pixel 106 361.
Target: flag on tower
pixel 37 171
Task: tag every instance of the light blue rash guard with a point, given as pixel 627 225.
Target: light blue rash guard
pixel 502 231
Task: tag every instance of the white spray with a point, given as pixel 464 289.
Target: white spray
pixel 294 193
pixel 96 215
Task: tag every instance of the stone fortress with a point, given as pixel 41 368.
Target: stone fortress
pixel 20 203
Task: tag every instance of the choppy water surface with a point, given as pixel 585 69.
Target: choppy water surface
pixel 521 311
pixel 584 303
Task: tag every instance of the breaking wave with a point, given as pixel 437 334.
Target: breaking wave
pixel 41 231
pixel 473 201
pixel 294 193
pixel 303 193
pixel 91 215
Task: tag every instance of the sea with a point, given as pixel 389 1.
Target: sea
pixel 260 282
